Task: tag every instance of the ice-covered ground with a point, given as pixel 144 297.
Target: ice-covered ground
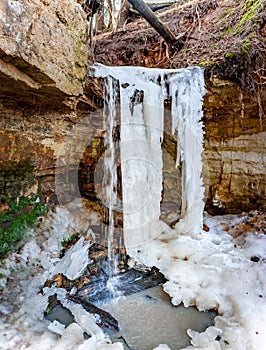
pixel 211 270
pixel 215 270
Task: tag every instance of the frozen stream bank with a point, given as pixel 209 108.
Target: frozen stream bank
pixel 207 269
pixel 212 270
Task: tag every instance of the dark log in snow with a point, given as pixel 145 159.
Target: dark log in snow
pixel 105 320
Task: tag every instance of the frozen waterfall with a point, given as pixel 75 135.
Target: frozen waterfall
pixel 142 92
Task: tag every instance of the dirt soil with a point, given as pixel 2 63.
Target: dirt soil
pixel 227 37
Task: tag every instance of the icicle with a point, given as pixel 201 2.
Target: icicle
pixel 187 91
pixel 142 95
pixel 141 159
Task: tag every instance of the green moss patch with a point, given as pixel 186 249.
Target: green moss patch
pixel 20 215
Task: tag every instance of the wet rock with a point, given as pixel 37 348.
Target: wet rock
pixel 126 283
pixel 255 258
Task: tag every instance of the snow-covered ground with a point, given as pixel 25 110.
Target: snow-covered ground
pixel 216 269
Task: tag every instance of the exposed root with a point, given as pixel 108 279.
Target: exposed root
pixel 226 37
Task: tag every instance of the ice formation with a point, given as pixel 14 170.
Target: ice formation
pixel 75 261
pixel 207 269
pixel 142 95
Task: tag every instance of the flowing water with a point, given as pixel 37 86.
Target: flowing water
pixel 110 177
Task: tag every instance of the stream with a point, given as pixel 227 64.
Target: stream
pixel 148 318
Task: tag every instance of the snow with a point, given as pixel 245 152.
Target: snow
pixel 211 271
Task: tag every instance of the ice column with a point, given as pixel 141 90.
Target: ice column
pixel 187 90
pixel 109 182
pixel 142 95
pixel 142 125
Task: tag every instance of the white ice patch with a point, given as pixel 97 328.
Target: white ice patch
pixel 71 338
pixel 94 343
pixel 75 261
pixel 57 327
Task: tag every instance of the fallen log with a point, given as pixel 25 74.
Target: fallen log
pixel 105 319
pixel 156 23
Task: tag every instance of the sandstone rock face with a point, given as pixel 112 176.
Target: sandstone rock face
pixel 43 47
pixel 30 138
pixel 234 170
pixel 43 63
pixel 235 147
pixel 234 156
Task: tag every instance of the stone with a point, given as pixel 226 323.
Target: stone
pixel 43 47
pixel 234 148
pixel 44 55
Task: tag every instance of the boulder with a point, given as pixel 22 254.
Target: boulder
pixel 43 48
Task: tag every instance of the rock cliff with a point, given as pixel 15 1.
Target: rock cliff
pixel 43 63
pixel 227 38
